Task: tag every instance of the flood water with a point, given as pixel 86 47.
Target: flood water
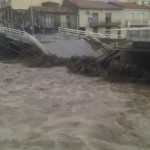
pixel 52 109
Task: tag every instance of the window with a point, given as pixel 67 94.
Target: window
pixel 95 17
pixel 108 17
pixel 141 17
pixel 131 17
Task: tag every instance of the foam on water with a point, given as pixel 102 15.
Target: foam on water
pixel 44 109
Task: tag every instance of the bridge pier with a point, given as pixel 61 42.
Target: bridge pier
pixel 135 57
pixel 142 45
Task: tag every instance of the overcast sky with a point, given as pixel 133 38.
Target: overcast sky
pixel 104 0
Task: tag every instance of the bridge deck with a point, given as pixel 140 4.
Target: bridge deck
pixel 139 35
pixel 21 36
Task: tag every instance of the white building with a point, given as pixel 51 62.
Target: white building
pixel 97 16
pixel 140 2
pixel 7 8
pixel 134 15
pixel 25 4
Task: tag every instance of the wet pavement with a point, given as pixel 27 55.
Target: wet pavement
pixel 65 47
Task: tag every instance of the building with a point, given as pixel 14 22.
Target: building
pixel 11 11
pixel 25 4
pixel 140 2
pixel 95 15
pixel 50 16
pixel 98 16
pixel 89 15
pixel 134 15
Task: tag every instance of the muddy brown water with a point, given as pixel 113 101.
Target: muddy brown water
pixel 52 109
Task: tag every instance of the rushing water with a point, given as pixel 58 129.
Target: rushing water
pixel 51 109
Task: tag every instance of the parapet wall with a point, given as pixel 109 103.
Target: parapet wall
pixel 139 35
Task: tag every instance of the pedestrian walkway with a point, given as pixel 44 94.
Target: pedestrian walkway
pixel 21 36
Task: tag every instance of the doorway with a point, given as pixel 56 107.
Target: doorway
pixel 95 17
pixel 108 17
pixel 95 29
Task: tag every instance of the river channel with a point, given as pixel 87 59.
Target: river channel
pixel 52 109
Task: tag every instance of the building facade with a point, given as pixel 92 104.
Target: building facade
pixel 86 15
pixel 140 2
pixel 25 4
pixel 98 16
pixel 134 15
pixel 95 15
pixel 12 11
pixel 51 16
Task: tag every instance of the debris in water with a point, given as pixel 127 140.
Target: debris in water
pixel 108 63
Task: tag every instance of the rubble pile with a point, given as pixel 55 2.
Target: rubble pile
pixel 46 61
pixel 108 64
pixel 128 72
pixel 85 65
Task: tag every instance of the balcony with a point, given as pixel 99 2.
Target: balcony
pixel 114 23
pixel 138 23
pixel 5 3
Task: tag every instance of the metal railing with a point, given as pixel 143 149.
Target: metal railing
pixel 139 34
pixel 22 34
pixel 114 23
pixel 138 22
pixel 104 49
pixel 103 34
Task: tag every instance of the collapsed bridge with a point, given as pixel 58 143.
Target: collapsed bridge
pixel 115 59
pixel 134 39
pixel 140 37
pixel 18 41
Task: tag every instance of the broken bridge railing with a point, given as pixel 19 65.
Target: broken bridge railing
pixel 139 34
pixel 21 36
pixel 103 34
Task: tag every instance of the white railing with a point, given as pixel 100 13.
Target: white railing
pixel 24 35
pixel 143 28
pixel 139 35
pixel 104 49
pixel 112 34
pixel 123 33
pixel 11 30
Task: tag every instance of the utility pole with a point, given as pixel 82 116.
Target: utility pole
pixel 43 20
pixel 31 13
pixel 32 17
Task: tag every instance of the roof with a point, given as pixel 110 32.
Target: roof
pixel 88 4
pixel 50 4
pixel 21 11
pixel 129 5
pixel 52 9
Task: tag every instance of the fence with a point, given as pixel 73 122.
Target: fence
pixel 111 34
pixel 21 36
pixel 139 34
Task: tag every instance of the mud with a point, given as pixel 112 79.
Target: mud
pixel 44 107
pixel 52 109
pixel 109 64
pixel 109 67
